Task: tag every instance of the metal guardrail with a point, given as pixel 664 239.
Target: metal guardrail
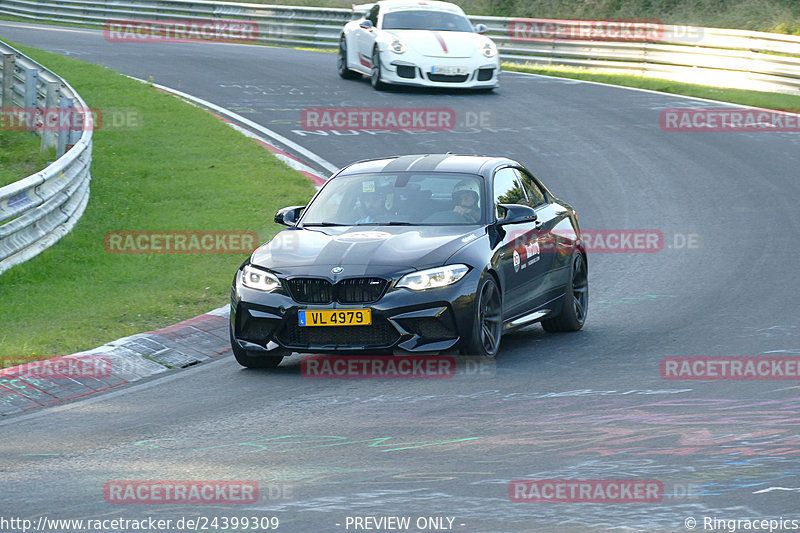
pixel 712 56
pixel 38 210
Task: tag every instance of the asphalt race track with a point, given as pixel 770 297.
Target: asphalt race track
pixel 590 405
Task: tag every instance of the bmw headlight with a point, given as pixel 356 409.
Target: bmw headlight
pixel 397 46
pixel 433 277
pixel 260 280
pixel 489 49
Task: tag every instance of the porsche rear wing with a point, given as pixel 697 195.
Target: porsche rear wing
pixel 359 10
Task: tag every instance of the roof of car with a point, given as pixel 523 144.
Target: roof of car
pixel 449 162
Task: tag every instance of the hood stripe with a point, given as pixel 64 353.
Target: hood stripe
pixel 400 164
pixel 441 41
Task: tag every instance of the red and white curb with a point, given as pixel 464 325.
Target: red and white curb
pixel 126 360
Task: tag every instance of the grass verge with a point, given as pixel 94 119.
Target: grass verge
pixel 763 99
pixel 20 156
pixel 175 168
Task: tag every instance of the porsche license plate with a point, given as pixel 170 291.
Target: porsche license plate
pixel 342 317
pixel 449 71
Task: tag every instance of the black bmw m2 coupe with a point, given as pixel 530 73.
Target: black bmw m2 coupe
pixel 412 254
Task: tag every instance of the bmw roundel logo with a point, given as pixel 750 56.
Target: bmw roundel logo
pixel 337 270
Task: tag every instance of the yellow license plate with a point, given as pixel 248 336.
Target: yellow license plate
pixel 343 317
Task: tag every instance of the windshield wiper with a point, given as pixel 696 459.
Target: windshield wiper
pixel 312 224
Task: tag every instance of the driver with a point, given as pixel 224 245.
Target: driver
pixel 373 207
pixel 466 200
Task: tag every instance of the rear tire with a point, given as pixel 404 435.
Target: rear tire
pixel 251 359
pixel 484 339
pixel 341 65
pixel 576 299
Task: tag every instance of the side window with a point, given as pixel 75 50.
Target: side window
pixel 373 15
pixel 507 189
pixel 534 192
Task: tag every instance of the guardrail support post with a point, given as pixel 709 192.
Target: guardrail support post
pixel 74 134
pixel 51 97
pixel 31 79
pixel 64 105
pixel 6 99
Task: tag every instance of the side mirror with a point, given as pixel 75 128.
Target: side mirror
pixel 481 28
pixel 366 24
pixel 288 216
pixel 516 214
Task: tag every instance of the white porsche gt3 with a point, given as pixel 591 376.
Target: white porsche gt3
pixel 427 43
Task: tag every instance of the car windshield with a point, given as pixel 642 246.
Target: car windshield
pixel 403 198
pixel 422 19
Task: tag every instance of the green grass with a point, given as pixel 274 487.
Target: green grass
pixel 181 169
pixel 764 99
pixel 21 155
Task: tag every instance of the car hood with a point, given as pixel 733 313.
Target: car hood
pixel 449 44
pixel 359 250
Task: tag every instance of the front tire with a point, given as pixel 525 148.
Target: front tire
pixel 484 339
pixel 375 79
pixel 576 299
pixel 341 63
pixel 253 360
